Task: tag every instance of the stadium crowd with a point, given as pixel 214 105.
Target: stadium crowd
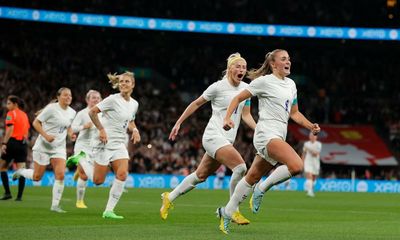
pixel 337 82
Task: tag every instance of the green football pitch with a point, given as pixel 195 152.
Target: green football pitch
pixel 283 215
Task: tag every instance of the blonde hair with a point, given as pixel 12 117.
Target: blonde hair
pixel 90 92
pixel 266 66
pixel 114 78
pixel 234 57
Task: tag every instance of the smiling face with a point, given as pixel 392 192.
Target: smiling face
pixel 93 99
pixel 281 64
pixel 237 71
pixel 65 97
pixel 126 84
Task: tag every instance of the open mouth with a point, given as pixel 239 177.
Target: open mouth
pixel 240 75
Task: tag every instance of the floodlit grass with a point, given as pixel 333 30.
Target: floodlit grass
pixel 284 215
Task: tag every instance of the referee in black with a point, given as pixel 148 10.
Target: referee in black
pixel 14 144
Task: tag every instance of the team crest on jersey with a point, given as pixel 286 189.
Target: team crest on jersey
pixel 8 118
pixel 287 106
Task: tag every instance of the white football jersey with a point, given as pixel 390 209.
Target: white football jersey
pixel 275 100
pixel 315 147
pixel 85 135
pixel 55 121
pixel 275 97
pixel 220 94
pixel 116 115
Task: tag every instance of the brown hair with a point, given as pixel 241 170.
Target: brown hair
pixel 16 100
pixel 266 66
pixel 54 100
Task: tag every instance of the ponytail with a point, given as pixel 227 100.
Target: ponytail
pixel 114 78
pixel 266 66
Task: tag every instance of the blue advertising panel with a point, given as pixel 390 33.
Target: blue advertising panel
pixel 160 24
pixel 213 182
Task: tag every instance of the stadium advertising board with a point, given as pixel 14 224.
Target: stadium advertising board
pixel 177 25
pixel 213 182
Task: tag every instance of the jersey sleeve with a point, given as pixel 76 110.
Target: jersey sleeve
pixel 46 113
pixel 211 92
pixel 10 118
pixel 255 86
pixel 106 104
pixel 294 90
pixel 135 111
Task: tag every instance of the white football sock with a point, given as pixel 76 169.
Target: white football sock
pixel 280 174
pixel 237 173
pixel 58 189
pixel 308 185
pixel 188 183
pixel 80 189
pixel 242 190
pixel 311 186
pixel 115 194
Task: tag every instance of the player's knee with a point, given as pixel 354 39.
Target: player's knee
pixel 122 176
pixel 201 176
pixel 98 181
pixel 83 177
pixel 253 177
pixel 3 166
pixel 296 168
pixel 240 169
pixel 59 176
pixel 36 177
